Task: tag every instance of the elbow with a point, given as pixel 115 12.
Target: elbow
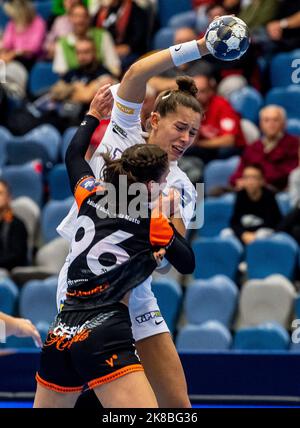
pixel 188 266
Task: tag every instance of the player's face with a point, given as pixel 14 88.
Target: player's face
pixel 176 132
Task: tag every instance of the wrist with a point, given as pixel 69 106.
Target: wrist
pixel 95 114
pixel 202 46
pixel 283 23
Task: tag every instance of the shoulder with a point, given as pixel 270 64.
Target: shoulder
pixel 291 140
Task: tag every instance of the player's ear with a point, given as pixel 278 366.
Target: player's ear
pixel 154 120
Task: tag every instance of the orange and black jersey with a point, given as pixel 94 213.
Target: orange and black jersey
pixel 113 253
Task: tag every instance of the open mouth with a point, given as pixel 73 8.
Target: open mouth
pixel 177 150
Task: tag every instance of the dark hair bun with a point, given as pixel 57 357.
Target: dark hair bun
pixel 187 84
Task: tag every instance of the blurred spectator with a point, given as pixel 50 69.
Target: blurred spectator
pixel 258 13
pixel 20 327
pixel 220 134
pixel 294 184
pixel 68 99
pixel 284 31
pixel 65 55
pixel 24 34
pixel 128 24
pixel 198 18
pixel 61 26
pixel 167 80
pixel 256 212
pixel 276 151
pixel 13 234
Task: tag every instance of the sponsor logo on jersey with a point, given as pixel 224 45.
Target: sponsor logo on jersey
pixel 124 109
pixel 118 130
pixel 149 316
pixel 88 184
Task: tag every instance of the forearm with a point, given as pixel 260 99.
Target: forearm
pixel 133 85
pixel 293 21
pixel 10 324
pixel 76 164
pixel 180 254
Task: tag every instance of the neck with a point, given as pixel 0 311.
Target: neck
pixel 255 195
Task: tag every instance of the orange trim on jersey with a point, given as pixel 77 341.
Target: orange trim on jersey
pixel 115 375
pixel 81 193
pixel 57 388
pixel 161 232
pixel 80 293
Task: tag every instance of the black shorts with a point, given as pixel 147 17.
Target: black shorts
pixel 88 349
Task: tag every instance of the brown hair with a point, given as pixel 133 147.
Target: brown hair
pixel 140 163
pixel 185 95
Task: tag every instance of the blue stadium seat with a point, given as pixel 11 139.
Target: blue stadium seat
pixel 44 8
pixel 5 136
pixel 288 98
pixel 3 18
pixel 167 9
pixel 25 180
pixel 217 214
pixel 208 336
pixel 169 298
pixel 41 78
pixel 247 101
pixel 283 61
pixel 211 299
pixel 276 254
pixel 8 296
pixel 280 62
pixel 67 137
pixel 293 126
pixel 59 185
pixel 217 256
pixel 218 172
pixel 27 342
pixel 18 153
pixel 53 213
pixel 284 202
pixel 265 337
pixel 48 136
pixel 297 306
pixel 38 300
pixel 163 38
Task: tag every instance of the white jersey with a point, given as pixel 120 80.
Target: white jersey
pixel 124 130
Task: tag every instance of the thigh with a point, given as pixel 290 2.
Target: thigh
pixel 46 398
pixel 130 391
pixel 164 370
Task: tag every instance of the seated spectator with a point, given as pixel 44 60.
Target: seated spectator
pixel 294 184
pixel 66 102
pixel 60 27
pixel 65 54
pixel 13 234
pixel 276 151
pixel 284 31
pixel 167 80
pixel 256 212
pixel 220 134
pixel 128 24
pixel 20 327
pixel 257 13
pixel 24 34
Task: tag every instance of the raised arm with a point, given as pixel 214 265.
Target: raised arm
pixel 133 85
pixel 76 164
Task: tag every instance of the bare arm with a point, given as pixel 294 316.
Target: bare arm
pixel 20 327
pixel 133 85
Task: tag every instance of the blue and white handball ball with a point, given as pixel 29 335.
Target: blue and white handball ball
pixel 227 38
